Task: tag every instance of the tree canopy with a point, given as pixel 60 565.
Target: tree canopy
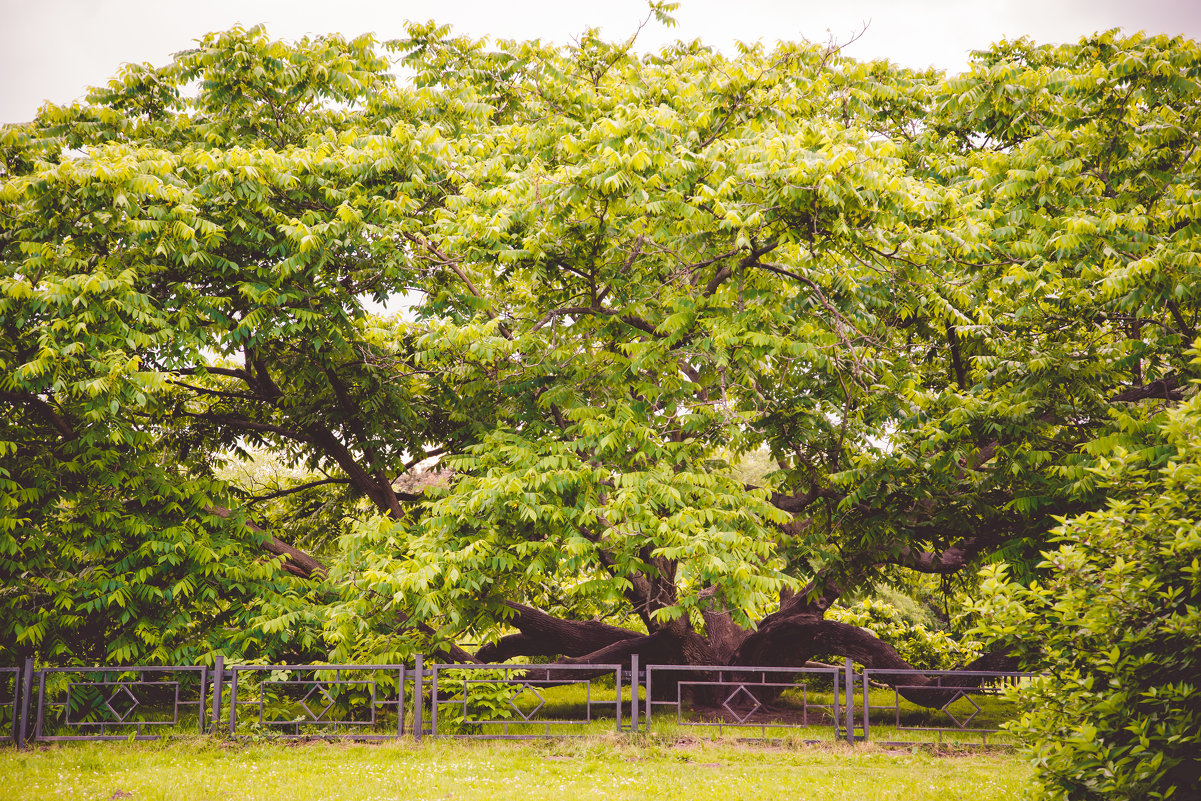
pixel 940 304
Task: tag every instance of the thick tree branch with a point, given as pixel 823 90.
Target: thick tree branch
pixel 262 382
pixel 215 393
pixel 949 560
pixel 661 647
pixel 792 641
pixel 44 408
pixel 639 591
pixel 1189 332
pixel 241 375
pixel 448 651
pixel 796 504
pixel 545 635
pixel 384 498
pixel 1166 388
pixel 296 561
pixel 629 262
pixel 243 423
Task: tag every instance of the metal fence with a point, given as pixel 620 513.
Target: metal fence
pixel 909 707
pixel 510 701
pixel 365 702
pixel 523 701
pixel 802 702
pixel 119 703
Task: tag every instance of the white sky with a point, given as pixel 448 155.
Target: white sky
pixel 54 49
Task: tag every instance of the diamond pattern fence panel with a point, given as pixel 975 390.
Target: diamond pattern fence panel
pixel 118 703
pixel 910 707
pixel 767 702
pixel 362 702
pixel 524 701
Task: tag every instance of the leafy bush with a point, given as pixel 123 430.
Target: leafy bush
pixel 917 644
pixel 1116 626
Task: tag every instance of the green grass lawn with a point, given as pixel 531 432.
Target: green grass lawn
pixel 610 767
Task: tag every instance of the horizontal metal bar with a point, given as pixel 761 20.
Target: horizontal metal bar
pixel 744 669
pixel 944 729
pixel 737 683
pixel 320 736
pixel 115 724
pixel 454 666
pixel 126 683
pixel 98 737
pixel 911 743
pixel 321 682
pixel 978 673
pixel 122 669
pixel 506 736
pixel 316 667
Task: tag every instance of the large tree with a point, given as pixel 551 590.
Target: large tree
pixel 936 302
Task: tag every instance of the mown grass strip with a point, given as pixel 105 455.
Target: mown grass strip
pixel 596 768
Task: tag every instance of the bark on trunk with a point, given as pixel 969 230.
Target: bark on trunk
pixel 544 635
pixel 296 561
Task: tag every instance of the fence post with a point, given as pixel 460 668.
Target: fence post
pixel 203 705
pixel 867 710
pixel 418 698
pixel 400 704
pixel 634 693
pixel 837 681
pixel 218 688
pixel 850 684
pixel 617 709
pixel 26 693
pixel 233 701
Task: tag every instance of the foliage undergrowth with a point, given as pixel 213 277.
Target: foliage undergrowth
pixel 922 647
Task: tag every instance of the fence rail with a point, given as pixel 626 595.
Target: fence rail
pixel 505 701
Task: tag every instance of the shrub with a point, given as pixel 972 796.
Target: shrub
pixel 1116 628
pixel 918 645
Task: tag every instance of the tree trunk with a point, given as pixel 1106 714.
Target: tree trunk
pixel 787 639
